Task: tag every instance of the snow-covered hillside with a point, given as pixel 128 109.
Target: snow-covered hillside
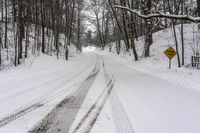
pixel 157 64
pixel 8 55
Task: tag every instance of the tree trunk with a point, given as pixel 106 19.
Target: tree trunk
pixel 6 25
pixel 2 11
pixel 70 31
pixel 124 15
pixel 198 7
pixel 79 26
pixel 133 33
pixel 0 48
pixel 21 31
pixel 182 35
pixel 43 26
pixel 176 43
pixel 148 32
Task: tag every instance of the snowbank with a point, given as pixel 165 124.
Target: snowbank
pixel 157 64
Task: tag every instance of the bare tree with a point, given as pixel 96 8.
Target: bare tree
pixel 0 46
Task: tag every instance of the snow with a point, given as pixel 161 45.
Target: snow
pixel 89 49
pixel 160 15
pixel 156 98
pixel 105 122
pixel 95 90
pixel 141 102
pixel 8 55
pixel 152 104
pixel 124 97
pixel 46 81
pixel 157 64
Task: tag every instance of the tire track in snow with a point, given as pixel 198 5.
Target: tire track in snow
pixel 88 120
pixel 23 111
pixel 37 104
pixel 122 121
pixel 61 118
pixel 38 86
pixel 19 114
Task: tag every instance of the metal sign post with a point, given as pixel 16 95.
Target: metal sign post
pixel 170 63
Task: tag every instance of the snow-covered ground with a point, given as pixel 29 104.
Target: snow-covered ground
pixel 107 93
pixel 157 64
pixel 8 55
pixel 152 104
pixel 153 98
pixel 36 88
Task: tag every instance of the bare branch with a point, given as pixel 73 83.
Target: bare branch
pixel 161 15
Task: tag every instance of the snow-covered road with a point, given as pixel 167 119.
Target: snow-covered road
pixel 152 105
pixel 28 93
pixel 117 98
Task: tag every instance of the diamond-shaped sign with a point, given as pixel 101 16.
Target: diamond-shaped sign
pixel 170 53
pixel 198 26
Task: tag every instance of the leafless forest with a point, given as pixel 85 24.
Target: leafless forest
pixel 29 27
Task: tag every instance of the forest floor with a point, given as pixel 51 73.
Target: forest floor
pixel 101 92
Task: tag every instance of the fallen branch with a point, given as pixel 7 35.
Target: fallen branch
pixel 161 15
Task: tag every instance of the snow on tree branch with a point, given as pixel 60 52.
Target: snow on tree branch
pixel 161 15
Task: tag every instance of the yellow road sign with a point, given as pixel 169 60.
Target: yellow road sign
pixel 198 26
pixel 170 53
